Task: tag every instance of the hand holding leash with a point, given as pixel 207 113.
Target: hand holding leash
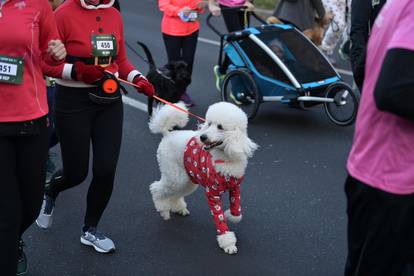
pixel 165 101
pixel 144 86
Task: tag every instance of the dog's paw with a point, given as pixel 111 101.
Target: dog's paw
pixel 183 212
pixel 231 218
pixel 232 249
pixel 227 242
pixel 165 215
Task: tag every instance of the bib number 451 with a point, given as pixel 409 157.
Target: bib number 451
pixel 8 69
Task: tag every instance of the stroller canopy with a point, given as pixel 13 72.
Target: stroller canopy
pixel 296 52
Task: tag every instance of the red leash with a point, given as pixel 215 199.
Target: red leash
pixel 167 102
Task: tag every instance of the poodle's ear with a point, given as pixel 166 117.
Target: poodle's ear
pixel 238 145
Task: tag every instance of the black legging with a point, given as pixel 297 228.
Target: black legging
pixel 234 20
pixel 22 172
pixel 181 48
pixel 101 125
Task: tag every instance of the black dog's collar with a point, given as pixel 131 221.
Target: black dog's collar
pixel 164 76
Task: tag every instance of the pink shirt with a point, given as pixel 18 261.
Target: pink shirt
pixel 232 3
pixel 382 154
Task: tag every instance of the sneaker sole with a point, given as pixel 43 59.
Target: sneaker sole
pixel 43 226
pixel 22 273
pixel 25 271
pixel 97 249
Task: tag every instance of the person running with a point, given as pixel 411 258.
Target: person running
pixel 380 184
pixel 53 139
pixel 364 13
pixel 179 27
pixel 235 21
pixel 89 109
pixel 336 28
pixel 23 120
pixel 301 13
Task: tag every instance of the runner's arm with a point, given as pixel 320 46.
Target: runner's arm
pixel 394 91
pixel 360 16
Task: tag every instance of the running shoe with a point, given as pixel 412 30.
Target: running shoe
pixel 21 260
pixel 45 218
pixel 97 240
pixel 219 77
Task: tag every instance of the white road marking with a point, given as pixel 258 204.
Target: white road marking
pixel 344 72
pixel 209 41
pixel 134 103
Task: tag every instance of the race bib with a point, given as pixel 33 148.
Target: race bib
pixel 103 45
pixel 193 16
pixel 11 69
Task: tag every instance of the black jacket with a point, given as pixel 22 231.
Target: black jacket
pixel 363 16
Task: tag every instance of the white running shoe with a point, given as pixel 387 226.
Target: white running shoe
pixel 45 218
pixel 101 243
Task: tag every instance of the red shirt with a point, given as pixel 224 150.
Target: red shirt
pixel 200 168
pixel 171 23
pixel 76 25
pixel 26 27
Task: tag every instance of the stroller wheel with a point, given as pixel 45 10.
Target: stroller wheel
pixel 343 109
pixel 240 89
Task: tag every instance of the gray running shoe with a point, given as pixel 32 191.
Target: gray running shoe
pixel 96 239
pixel 45 218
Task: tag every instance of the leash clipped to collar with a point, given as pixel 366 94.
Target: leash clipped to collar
pixel 167 102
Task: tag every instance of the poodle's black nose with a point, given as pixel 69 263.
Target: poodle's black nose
pixel 203 138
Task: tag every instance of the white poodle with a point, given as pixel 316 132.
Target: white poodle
pixel 215 157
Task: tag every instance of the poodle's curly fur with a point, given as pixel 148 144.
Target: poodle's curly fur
pixel 226 127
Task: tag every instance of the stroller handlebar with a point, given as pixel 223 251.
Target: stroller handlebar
pixel 242 8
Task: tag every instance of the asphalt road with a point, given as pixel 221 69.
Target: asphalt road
pixel 294 220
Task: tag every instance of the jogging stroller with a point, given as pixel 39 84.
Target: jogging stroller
pixel 277 63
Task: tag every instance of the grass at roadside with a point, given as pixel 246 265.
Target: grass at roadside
pixel 266 4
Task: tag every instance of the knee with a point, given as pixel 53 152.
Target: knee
pixel 75 177
pixel 105 172
pixel 10 216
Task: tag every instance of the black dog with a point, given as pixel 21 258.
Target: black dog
pixel 170 81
